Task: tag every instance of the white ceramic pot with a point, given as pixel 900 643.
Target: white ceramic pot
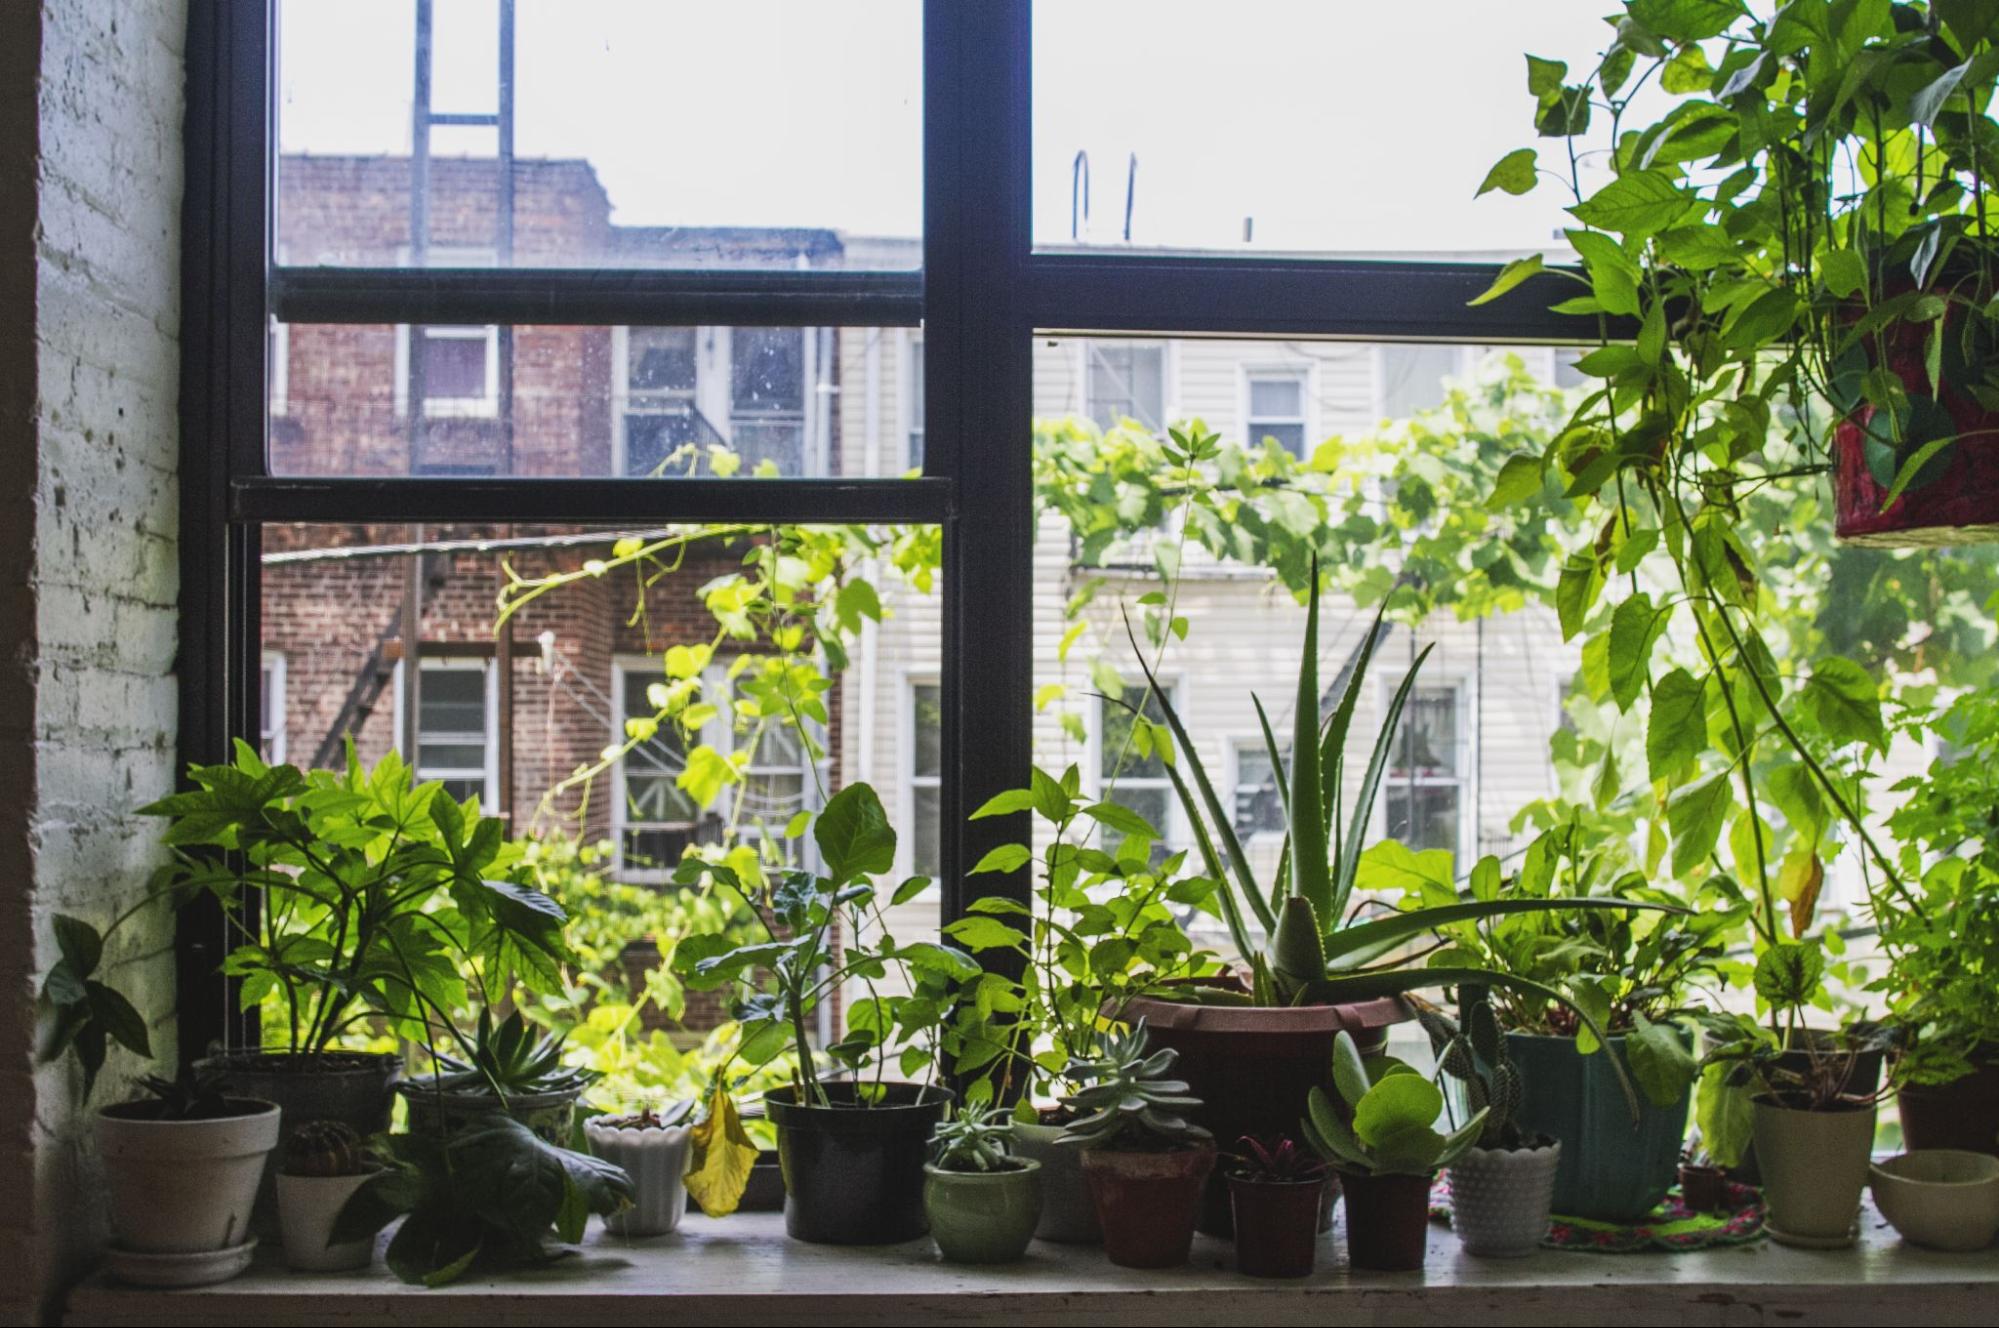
pixel 1944 1198
pixel 184 1187
pixel 656 1160
pixel 307 1208
pixel 1500 1199
pixel 1814 1166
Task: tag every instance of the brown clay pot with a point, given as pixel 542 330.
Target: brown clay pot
pixel 1253 1066
pixel 1962 1114
pixel 1703 1189
pixel 1388 1221
pixel 1146 1202
pixel 1276 1225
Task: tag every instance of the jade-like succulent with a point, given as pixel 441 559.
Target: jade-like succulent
pixel 1390 1125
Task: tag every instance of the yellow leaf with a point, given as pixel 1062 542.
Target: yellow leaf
pixel 721 1154
pixel 1799 882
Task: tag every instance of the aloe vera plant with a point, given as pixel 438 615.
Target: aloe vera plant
pixel 1318 951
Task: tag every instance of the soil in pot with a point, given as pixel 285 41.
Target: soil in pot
pixel 1501 1198
pixel 1254 1066
pixel 355 1088
pixel 184 1187
pixel 1814 1166
pixel 853 1174
pixel 1068 1213
pixel 1388 1221
pixel 1962 1114
pixel 1147 1202
pixel 983 1216
pixel 1276 1225
pixel 1609 1171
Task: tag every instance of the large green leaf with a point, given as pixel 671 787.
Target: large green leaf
pixel 1660 1061
pixel 1363 942
pixel 1676 730
pixel 1640 204
pixel 1311 865
pixel 1844 701
pixel 1695 818
pixel 1377 766
pixel 854 836
pixel 1635 628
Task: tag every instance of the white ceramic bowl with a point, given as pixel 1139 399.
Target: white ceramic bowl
pixel 1943 1198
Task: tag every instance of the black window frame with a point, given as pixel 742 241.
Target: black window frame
pixel 982 295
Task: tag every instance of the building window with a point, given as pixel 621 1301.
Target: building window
pixel 777 778
pixel 914 395
pixel 271 708
pixel 1259 807
pixel 1410 377
pixel 1277 400
pixel 926 776
pixel 767 374
pixel 461 371
pixel 454 728
pixel 1125 380
pixel 279 367
pixel 654 819
pixel 1425 795
pixel 659 415
pixel 1131 778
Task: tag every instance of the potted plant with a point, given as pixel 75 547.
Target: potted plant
pixel 376 897
pixel 852 1149
pixel 1942 939
pixel 650 1147
pixel 509 1066
pixel 1317 965
pixel 983 1202
pixel 1640 972
pixel 1387 1150
pixel 488 1195
pixel 1503 1186
pixel 1277 1194
pixel 1104 932
pixel 1145 1161
pixel 181 1167
pixel 324 1163
pixel 1812 1128
pixel 1703 1181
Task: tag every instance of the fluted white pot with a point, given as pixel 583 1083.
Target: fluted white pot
pixel 655 1158
pixel 1500 1198
pixel 308 1206
pixel 184 1187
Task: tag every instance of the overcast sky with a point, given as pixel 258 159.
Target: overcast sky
pixel 1335 124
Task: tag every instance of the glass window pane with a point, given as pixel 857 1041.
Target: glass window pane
pixel 760 133
pixel 927 731
pixel 1424 816
pixel 1351 134
pixel 1276 396
pixel 925 856
pixel 1427 744
pixel 1126 382
pixel 1413 377
pixel 555 400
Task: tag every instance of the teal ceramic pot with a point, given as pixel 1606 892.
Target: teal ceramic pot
pixel 1610 1170
pixel 983 1216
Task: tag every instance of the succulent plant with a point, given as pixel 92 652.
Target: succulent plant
pixel 192 1095
pixel 326 1148
pixel 1127 1102
pixel 977 1139
pixel 1472 1050
pixel 1390 1125
pixel 510 1058
pixel 649 1118
pixel 1280 1160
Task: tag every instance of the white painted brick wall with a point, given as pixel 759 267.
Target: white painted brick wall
pixel 89 389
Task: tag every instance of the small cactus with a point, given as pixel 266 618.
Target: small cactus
pixel 1472 1050
pixel 325 1148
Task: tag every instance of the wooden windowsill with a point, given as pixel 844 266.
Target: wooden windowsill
pixel 742 1270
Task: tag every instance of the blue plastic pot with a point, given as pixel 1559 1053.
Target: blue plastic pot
pixel 1611 1170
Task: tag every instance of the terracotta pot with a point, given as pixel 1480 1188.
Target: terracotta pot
pixel 1253 1066
pixel 1962 1114
pixel 1068 1213
pixel 983 1216
pixel 1147 1202
pixel 1943 1198
pixel 1501 1198
pixel 184 1187
pixel 1704 1189
pixel 1388 1221
pixel 1814 1166
pixel 1956 497
pixel 853 1174
pixel 1276 1225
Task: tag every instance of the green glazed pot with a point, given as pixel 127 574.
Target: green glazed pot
pixel 983 1216
pixel 1610 1170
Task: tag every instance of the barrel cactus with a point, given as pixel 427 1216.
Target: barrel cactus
pixel 325 1148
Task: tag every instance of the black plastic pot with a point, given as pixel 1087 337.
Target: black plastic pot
pixel 1388 1221
pixel 1276 1225
pixel 765 1191
pixel 1962 1114
pixel 853 1174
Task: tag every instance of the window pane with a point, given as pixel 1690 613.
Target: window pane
pixel 1413 377
pixel 1290 437
pixel 925 856
pixel 927 731
pixel 453 700
pixel 1126 382
pixel 1276 396
pixel 1424 816
pixel 1119 757
pixel 761 133
pixel 1428 741
pixel 1353 137
pixel 561 400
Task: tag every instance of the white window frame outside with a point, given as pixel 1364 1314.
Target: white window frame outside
pixel 489 740
pixel 485 406
pixel 650 666
pixel 811 459
pixel 1464 758
pixel 908 377
pixel 1175 832
pixel 1168 373
pixel 1301 372
pixel 271 717
pixel 909 781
